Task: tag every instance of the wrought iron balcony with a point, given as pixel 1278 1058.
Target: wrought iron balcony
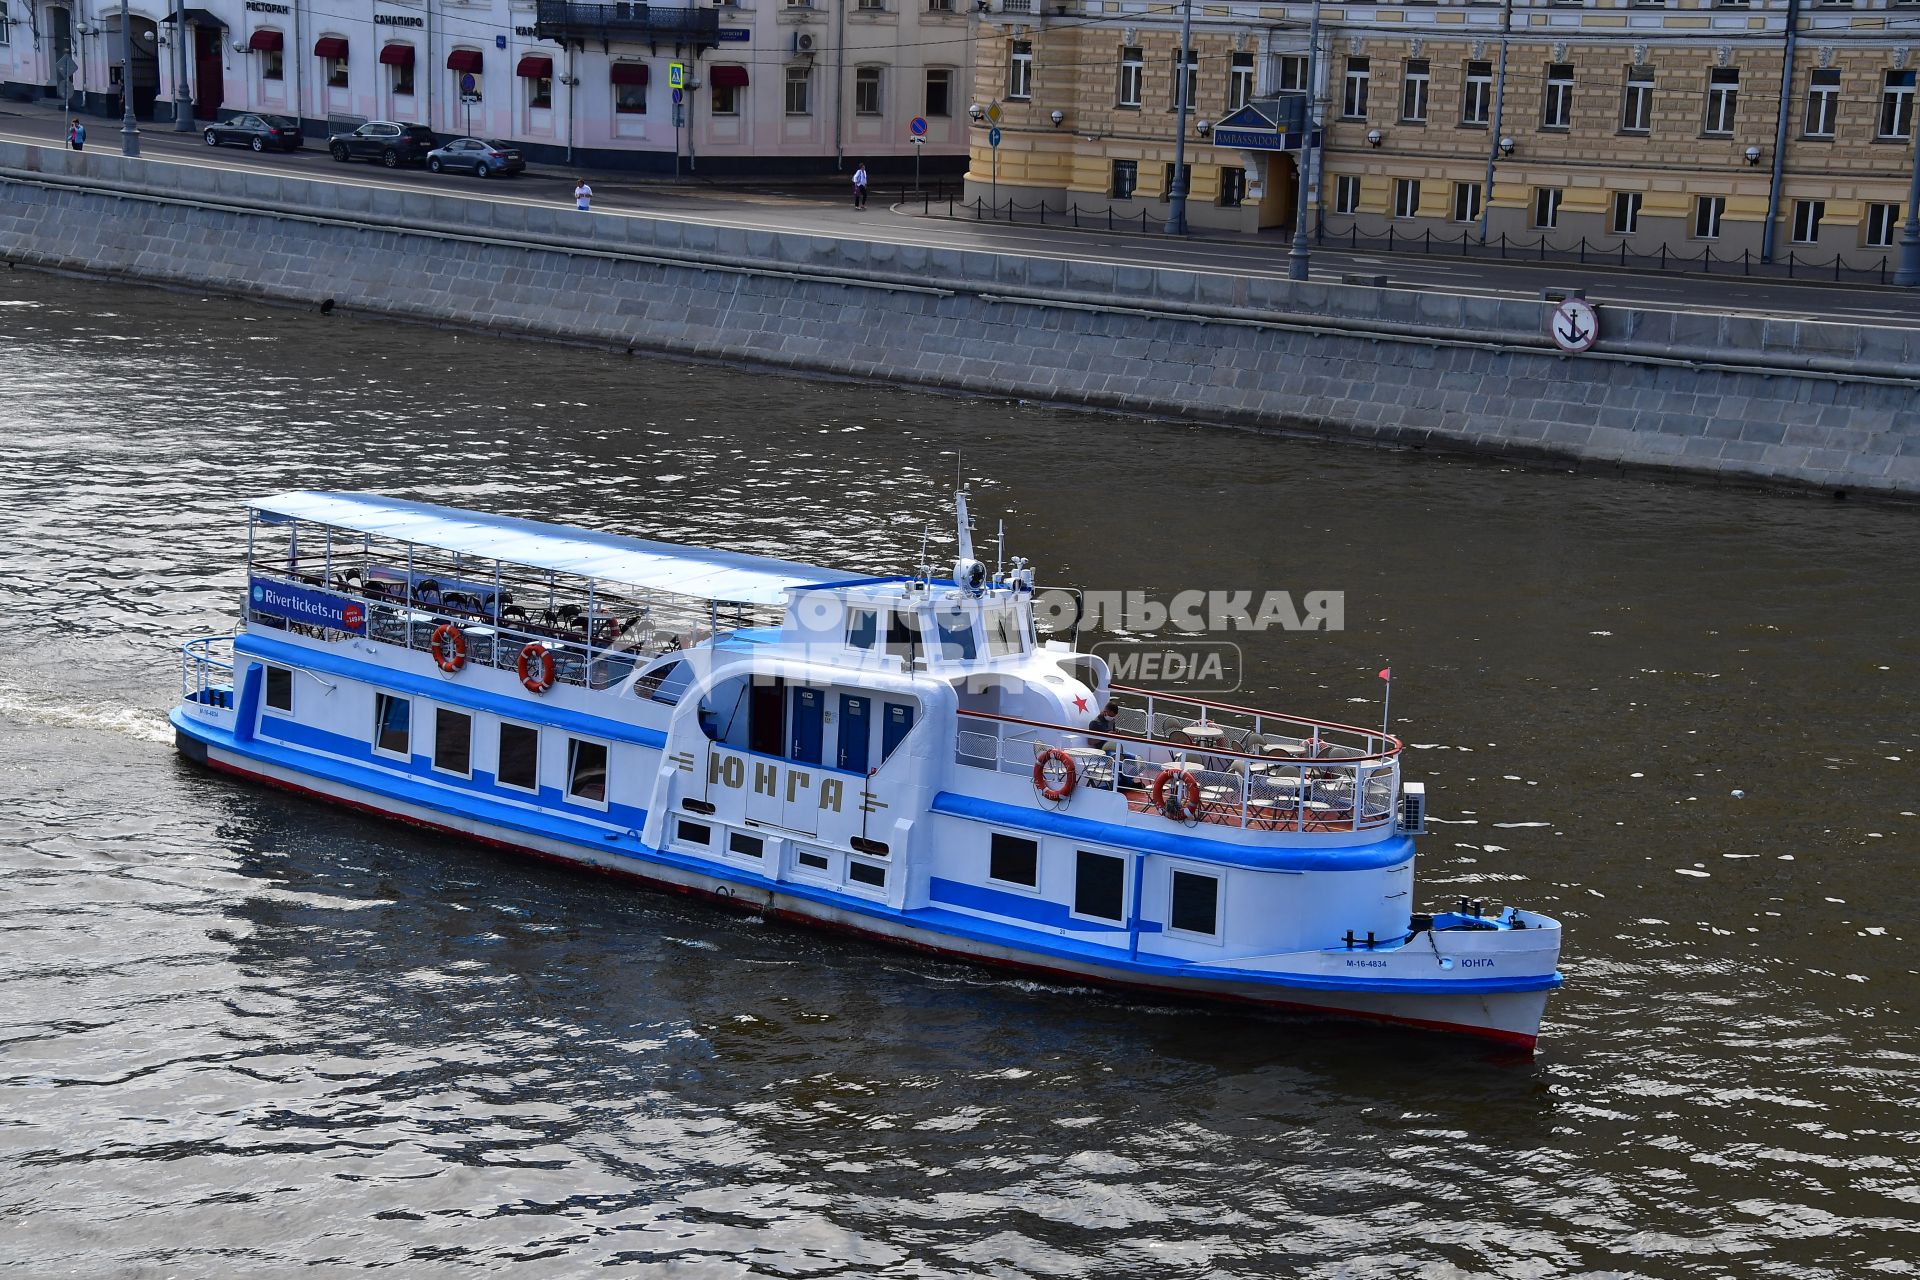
pixel 568 19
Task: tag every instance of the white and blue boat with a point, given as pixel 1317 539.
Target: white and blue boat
pixel 899 757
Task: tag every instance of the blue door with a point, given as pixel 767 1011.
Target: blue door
pixel 856 725
pixel 804 740
pixel 897 724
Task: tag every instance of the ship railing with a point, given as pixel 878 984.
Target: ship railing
pixel 206 671
pixel 1198 721
pixel 1226 787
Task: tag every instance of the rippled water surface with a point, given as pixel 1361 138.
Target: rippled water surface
pixel 241 1034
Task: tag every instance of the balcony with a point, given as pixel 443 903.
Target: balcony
pixel 561 20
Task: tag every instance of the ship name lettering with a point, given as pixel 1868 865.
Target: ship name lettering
pixel 766 779
pixel 731 772
pixel 1476 964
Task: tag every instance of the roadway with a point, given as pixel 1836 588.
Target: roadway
pixel 767 208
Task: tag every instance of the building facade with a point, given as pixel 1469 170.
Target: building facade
pixel 1685 126
pixel 769 86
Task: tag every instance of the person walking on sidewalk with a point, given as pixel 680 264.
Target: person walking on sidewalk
pixel 77 135
pixel 860 186
pixel 583 197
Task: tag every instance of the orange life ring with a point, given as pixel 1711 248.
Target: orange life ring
pixel 1183 800
pixel 536 667
pixel 449 646
pixel 1066 786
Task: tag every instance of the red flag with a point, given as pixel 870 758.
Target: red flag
pixel 1386 673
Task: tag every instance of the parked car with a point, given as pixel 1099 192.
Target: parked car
pixel 477 156
pixel 256 131
pixel 391 144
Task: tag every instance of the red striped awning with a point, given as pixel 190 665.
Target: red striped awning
pixel 397 55
pixel 533 67
pixel 267 41
pixel 329 47
pixel 464 60
pixel 628 73
pixel 728 77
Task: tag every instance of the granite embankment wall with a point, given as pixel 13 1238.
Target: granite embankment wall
pixel 1826 404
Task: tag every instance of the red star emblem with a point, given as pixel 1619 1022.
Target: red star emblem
pixel 1079 704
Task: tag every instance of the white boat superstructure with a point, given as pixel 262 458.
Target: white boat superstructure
pixel 903 757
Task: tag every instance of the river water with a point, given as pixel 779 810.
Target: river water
pixel 241 1034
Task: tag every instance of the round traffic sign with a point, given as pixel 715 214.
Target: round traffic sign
pixel 466 82
pixel 917 126
pixel 993 137
pixel 1574 325
pixel 677 94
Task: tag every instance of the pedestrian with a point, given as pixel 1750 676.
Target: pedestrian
pixel 860 186
pixel 583 196
pixel 77 135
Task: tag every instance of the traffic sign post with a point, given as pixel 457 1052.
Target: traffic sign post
pixel 468 97
pixel 993 150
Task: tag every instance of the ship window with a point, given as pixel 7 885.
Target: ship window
pixel 903 636
pixel 587 770
pixel 452 742
pixel 741 842
pixel 1100 886
pixel 815 861
pixel 1003 632
pixel 519 757
pixel 392 718
pixel 666 684
pixel 956 634
pixel 279 689
pixel 1196 904
pixel 1014 860
pixel 863 628
pixel 693 832
pixel 867 873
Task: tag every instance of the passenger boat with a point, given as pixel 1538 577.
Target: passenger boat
pixel 901 757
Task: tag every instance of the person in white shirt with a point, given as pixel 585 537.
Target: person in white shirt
pixel 860 187
pixel 583 196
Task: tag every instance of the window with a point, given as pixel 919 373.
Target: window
pixel 1476 97
pixel 1132 72
pixel 903 635
pixel 800 103
pixel 335 70
pixel 1186 179
pixel 1546 208
pixel 1881 221
pixel 1196 904
pixel 1636 107
pixel 1346 193
pixel 692 832
pixel 863 628
pixel 1626 213
pixel 587 771
pixel 872 5
pixel 1823 103
pixel 1723 98
pixel 629 88
pixel 1191 80
pixel 1807 215
pixel 1099 886
pixel 403 78
pixel 814 861
pixel 955 627
pixel 1414 87
pixel 1126 179
pixel 1406 197
pixel 6 28
pixel 666 684
pixel 1240 81
pixel 866 91
pixel 1013 860
pixel 939 104
pixel 453 741
pixel 745 845
pixel 539 91
pixel 392 723
pixel 1353 95
pixel 866 873
pixel 273 63
pixel 1466 202
pixel 1707 213
pixel 1558 111
pixel 725 85
pixel 279 689
pixel 519 765
pixel 1233 187
pixel 1896 106
pixel 1003 632
pixel 1020 70
pixel 1293 74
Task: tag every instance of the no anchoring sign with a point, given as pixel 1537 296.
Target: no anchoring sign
pixel 1574 325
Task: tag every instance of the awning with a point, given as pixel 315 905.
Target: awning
pixel 534 68
pixel 728 77
pixel 204 17
pixel 329 47
pixel 628 73
pixel 396 55
pixel 267 41
pixel 464 60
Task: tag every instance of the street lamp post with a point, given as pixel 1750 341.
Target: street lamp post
pixel 182 104
pixel 1908 272
pixel 1297 261
pixel 129 131
pixel 1177 196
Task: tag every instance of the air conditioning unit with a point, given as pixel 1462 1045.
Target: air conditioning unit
pixel 1413 808
pixel 802 42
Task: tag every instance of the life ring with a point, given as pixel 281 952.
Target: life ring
pixel 1176 793
pixel 536 667
pixel 449 645
pixel 1070 777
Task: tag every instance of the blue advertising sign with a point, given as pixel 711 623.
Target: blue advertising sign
pixel 304 604
pixel 735 35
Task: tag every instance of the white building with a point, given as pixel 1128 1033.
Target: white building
pixel 771 86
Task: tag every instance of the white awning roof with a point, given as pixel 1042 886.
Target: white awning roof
pixel 693 571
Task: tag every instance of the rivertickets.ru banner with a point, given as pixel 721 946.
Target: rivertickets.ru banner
pixel 304 604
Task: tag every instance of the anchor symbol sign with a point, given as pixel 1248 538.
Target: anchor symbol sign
pixel 1574 325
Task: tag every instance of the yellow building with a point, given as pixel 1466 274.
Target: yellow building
pixel 1620 123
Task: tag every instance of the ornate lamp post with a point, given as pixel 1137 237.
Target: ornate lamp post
pixel 129 131
pixel 1177 196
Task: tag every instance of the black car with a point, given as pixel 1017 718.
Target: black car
pixel 477 156
pixel 256 131
pixel 391 144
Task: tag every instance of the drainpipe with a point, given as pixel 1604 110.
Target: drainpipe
pixel 839 83
pixel 1780 131
pixel 299 69
pixel 573 80
pixel 1499 117
pixel 433 69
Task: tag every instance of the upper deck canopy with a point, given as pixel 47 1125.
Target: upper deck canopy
pixel 663 566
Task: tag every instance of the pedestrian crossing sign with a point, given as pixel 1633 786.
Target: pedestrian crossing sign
pixel 676 75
